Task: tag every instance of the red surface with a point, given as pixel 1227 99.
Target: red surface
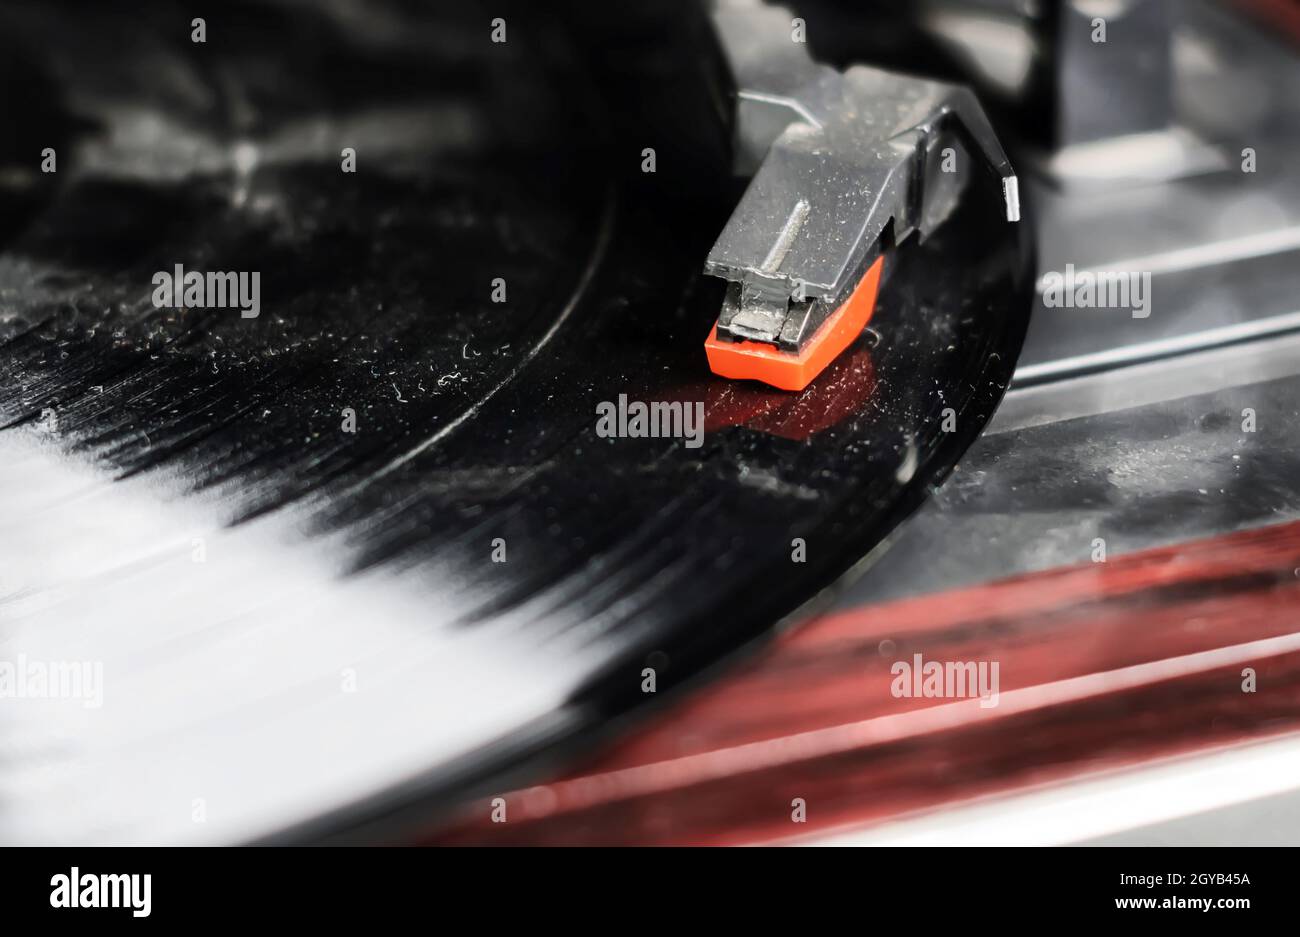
pixel 1101 666
pixel 761 362
pixel 1281 15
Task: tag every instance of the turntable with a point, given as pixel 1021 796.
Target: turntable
pixel 580 418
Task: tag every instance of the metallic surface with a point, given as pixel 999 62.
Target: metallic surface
pixel 848 164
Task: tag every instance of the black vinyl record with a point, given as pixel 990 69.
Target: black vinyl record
pixel 364 551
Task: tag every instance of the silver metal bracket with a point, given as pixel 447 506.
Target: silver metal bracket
pixel 842 163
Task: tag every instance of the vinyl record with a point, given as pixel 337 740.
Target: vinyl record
pixel 355 542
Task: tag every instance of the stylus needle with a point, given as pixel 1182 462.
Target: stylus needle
pixel 848 165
